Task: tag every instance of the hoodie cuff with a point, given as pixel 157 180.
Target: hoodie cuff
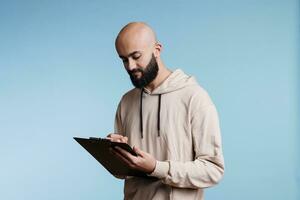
pixel 161 169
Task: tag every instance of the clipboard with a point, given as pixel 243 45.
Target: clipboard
pixel 99 149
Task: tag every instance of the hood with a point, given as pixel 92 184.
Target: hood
pixel 175 81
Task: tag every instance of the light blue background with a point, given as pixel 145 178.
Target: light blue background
pixel 61 77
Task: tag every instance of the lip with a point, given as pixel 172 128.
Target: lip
pixel 136 73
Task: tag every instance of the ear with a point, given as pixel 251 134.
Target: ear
pixel 157 49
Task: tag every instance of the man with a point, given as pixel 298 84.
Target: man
pixel 169 119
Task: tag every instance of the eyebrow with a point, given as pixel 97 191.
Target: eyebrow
pixel 131 54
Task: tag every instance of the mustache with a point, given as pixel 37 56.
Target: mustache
pixel 134 71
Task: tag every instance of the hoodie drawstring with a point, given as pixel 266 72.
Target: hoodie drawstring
pixel 141 114
pixel 158 115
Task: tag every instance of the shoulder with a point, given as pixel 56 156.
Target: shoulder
pixel 199 96
pixel 131 95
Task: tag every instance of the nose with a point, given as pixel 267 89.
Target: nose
pixel 131 64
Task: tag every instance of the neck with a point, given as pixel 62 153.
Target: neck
pixel 162 75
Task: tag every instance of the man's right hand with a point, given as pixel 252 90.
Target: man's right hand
pixel 117 138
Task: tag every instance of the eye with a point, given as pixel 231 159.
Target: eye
pixel 135 57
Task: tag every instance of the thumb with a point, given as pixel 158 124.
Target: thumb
pixel 138 151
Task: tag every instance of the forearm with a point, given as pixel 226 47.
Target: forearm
pixel 199 173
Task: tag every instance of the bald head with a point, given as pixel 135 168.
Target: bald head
pixel 136 32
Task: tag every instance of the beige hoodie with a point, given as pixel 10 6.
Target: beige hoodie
pixel 178 124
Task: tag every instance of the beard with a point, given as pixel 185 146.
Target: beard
pixel 148 74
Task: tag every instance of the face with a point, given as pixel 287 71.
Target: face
pixel 139 53
pixel 141 65
pixel 142 76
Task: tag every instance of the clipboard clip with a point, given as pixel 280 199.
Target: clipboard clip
pixel 95 138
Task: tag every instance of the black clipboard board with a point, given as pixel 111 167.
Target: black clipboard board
pixel 99 149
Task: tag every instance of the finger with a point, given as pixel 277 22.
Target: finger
pixel 138 151
pixel 113 139
pixel 109 135
pixel 124 139
pixel 116 140
pixel 114 135
pixel 122 158
pixel 126 154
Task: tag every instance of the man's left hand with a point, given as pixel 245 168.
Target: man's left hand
pixel 144 162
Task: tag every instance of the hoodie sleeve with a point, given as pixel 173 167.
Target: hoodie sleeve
pixel 118 129
pixel 207 168
pixel 118 121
